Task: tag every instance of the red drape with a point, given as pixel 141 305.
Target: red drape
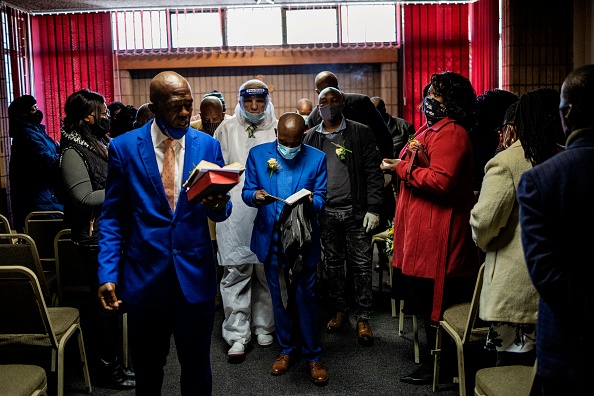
pixel 435 39
pixel 484 44
pixel 70 52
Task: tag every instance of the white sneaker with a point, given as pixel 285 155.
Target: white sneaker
pixel 264 339
pixel 238 349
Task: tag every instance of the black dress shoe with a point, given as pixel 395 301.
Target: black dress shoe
pixel 114 375
pixel 423 375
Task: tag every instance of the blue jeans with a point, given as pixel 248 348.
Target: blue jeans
pixel 345 241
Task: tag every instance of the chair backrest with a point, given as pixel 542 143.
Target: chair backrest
pixel 70 267
pixel 472 321
pixel 43 226
pixel 4 225
pixel 22 307
pixel 20 249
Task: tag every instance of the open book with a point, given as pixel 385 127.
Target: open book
pixel 292 199
pixel 208 179
pixel 205 166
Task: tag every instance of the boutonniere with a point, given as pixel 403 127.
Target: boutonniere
pixel 412 142
pixel 390 239
pixel 341 151
pixel 273 165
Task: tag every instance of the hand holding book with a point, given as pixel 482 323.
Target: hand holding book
pixel 292 199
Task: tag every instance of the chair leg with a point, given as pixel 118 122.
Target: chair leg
pixel 401 319
pixel 461 374
pixel 393 302
pixel 125 347
pixel 83 359
pixel 436 358
pixel 416 338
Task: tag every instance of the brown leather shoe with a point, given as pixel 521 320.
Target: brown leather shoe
pixel 318 373
pixel 281 364
pixel 364 333
pixel 336 322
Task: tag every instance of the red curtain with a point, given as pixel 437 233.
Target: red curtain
pixel 484 44
pixel 70 52
pixel 435 39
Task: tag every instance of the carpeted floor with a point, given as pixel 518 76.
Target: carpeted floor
pixel 353 369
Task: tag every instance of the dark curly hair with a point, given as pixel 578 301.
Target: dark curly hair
pixel 538 124
pixel 458 95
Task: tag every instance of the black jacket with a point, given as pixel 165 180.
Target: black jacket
pixel 367 180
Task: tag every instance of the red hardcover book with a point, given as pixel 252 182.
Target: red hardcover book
pixel 208 179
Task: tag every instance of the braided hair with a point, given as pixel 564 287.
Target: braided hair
pixel 538 124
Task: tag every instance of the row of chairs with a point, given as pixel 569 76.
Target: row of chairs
pixel 45 262
pixel 462 323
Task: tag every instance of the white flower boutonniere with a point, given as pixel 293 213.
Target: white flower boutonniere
pixel 273 165
pixel 341 151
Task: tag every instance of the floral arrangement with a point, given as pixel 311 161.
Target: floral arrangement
pixel 390 240
pixel 273 165
pixel 341 151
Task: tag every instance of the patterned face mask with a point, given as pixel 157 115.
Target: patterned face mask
pixel 210 127
pixel 434 110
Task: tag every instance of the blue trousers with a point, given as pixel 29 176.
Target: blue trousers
pixel 296 325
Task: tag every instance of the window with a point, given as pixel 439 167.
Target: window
pixel 137 30
pixel 196 29
pixel 254 26
pixel 368 23
pixel 269 25
pixel 312 26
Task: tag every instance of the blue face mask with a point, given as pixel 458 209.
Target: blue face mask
pixel 254 119
pixel 176 133
pixel 288 153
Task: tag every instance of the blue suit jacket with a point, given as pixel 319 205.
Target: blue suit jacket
pixel 309 173
pixel 556 216
pixel 142 242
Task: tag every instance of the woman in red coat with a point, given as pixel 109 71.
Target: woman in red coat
pixel 435 260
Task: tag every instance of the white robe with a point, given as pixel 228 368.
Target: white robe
pixel 234 234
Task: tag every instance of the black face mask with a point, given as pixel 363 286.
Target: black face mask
pixel 101 127
pixel 210 127
pixel 36 117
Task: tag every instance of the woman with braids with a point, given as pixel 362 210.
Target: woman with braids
pixel 509 301
pixel 83 163
pixel 435 261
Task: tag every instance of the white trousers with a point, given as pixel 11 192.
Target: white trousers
pixel 246 303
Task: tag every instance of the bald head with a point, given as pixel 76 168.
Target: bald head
pixel 211 109
pixel 291 129
pixel 577 99
pixel 171 98
pixel 304 106
pixel 326 79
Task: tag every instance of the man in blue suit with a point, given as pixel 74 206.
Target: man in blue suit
pixel 556 213
pixel 281 168
pixel 155 252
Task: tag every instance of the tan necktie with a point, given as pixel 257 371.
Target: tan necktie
pixel 168 173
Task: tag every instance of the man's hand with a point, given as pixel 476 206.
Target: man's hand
pixel 370 222
pixel 107 297
pixel 217 202
pixel 263 198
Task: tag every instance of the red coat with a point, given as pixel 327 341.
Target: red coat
pixel 432 237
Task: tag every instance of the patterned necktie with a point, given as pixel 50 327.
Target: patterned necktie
pixel 250 130
pixel 168 173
